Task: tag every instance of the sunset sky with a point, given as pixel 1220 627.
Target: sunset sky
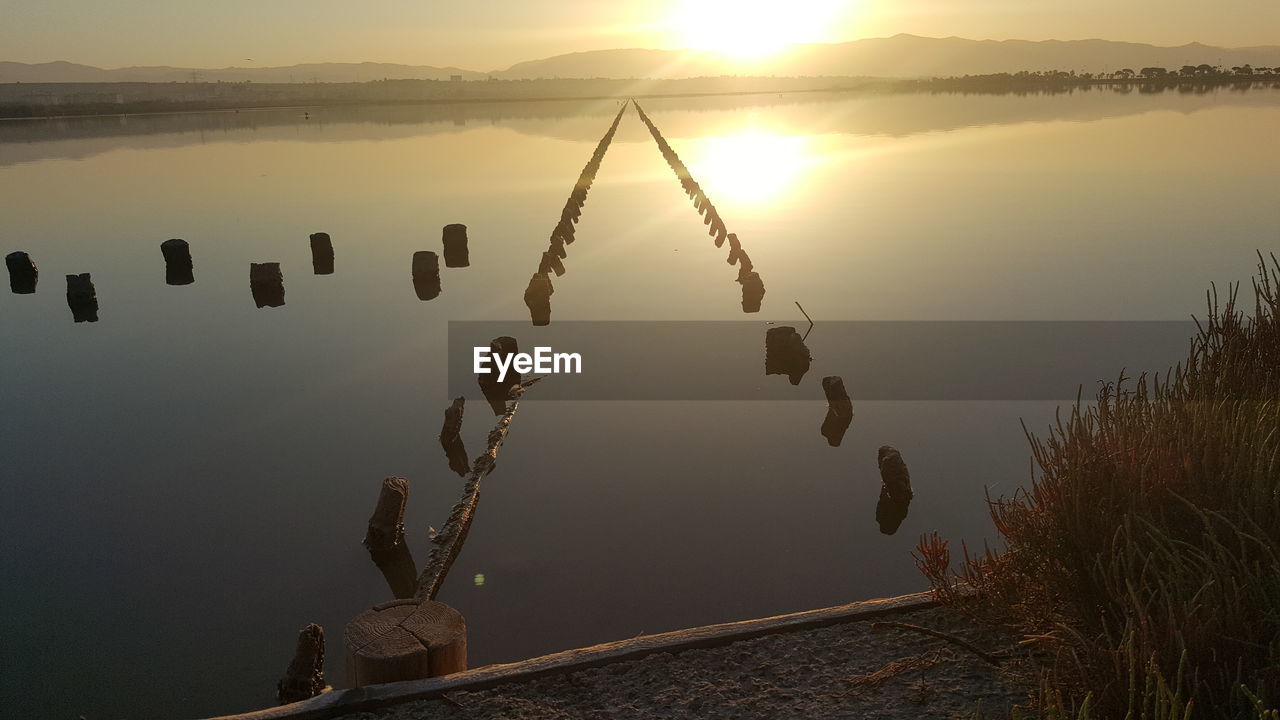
pixel 494 34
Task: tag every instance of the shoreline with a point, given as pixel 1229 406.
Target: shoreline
pixel 669 644
pixel 977 84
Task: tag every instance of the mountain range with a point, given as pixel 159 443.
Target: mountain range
pixel 898 56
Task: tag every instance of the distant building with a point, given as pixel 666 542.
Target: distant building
pixel 455 78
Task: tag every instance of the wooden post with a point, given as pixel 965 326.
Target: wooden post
pixel 895 490
pixel 305 676
pixel 178 268
pixel 384 538
pixel 321 254
pixel 839 410
pixel 537 297
pixel 82 298
pixel 451 437
pixel 752 292
pixel 405 640
pixel 785 353
pixel 266 282
pixel 456 254
pixel 22 273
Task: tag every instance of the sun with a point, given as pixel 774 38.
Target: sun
pixel 753 29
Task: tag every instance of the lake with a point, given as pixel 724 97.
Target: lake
pixel 185 482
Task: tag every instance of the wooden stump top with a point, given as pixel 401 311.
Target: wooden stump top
pixel 405 640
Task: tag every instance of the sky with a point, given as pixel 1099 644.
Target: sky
pixel 493 34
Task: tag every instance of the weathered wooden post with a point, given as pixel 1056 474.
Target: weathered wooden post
pixel 305 676
pixel 495 391
pixel 405 640
pixel 384 538
pixel 426 274
pixel 451 437
pixel 785 353
pixel 752 292
pixel 839 410
pixel 22 273
pixel 82 298
pixel 895 490
pixel 537 297
pixel 321 254
pixel 456 254
pixel 266 282
pixel 178 267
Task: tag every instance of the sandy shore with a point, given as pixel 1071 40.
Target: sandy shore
pixel 850 670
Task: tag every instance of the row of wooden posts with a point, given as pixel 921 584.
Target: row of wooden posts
pixel 266 281
pixel 415 636
pixel 537 296
pixel 752 285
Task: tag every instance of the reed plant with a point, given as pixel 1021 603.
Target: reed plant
pixel 1142 565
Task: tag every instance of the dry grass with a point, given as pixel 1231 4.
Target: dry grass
pixel 1144 561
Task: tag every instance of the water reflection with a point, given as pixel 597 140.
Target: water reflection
pixel 753 167
pixel 266 282
pixel 752 285
pixel 426 274
pixel 895 490
pixel 23 273
pixel 178 268
pixel 537 296
pixel 82 298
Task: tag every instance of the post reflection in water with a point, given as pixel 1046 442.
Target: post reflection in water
pixel 82 298
pixel 266 282
pixel 839 410
pixel 451 437
pixel 426 274
pixel 895 490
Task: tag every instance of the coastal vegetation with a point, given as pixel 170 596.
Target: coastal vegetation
pixel 1142 565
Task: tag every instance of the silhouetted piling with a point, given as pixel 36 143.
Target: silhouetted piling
pixel 384 538
pixel 895 490
pixel 785 353
pixel 496 391
pixel 82 298
pixel 426 274
pixel 537 297
pixel 752 292
pixel 305 676
pixel 839 410
pixel 456 254
pixel 23 273
pixel 321 254
pixel 266 282
pixel 451 437
pixel 178 267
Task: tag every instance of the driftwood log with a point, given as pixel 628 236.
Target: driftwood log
pixel 305 676
pixel 448 542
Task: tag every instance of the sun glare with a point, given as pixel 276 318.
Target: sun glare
pixel 751 167
pixel 753 29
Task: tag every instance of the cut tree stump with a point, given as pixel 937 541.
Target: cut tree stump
pixel 405 640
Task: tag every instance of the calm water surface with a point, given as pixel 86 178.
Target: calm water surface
pixel 185 483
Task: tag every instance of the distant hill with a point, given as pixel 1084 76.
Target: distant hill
pixel 900 56
pixel 313 72
pixel 897 56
